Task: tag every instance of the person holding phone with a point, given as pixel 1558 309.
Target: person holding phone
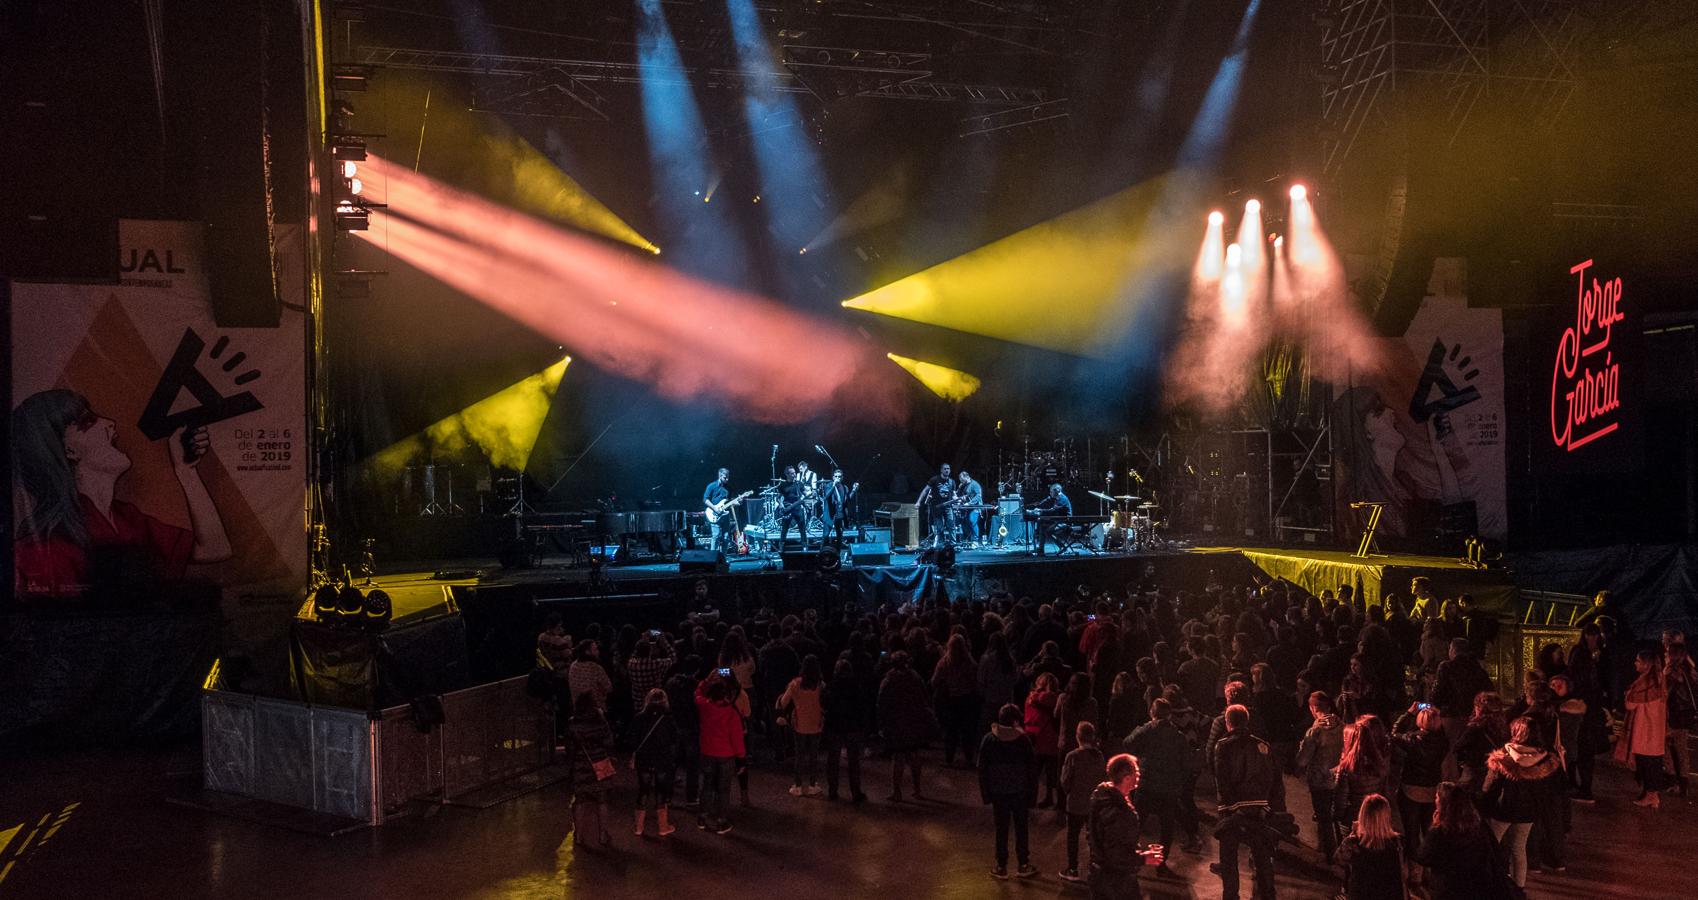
pixel 1419 737
pixel 721 739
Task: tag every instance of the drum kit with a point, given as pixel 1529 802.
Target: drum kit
pixel 1132 523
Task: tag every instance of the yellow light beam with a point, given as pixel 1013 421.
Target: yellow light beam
pixel 953 385
pixel 503 425
pixel 1061 284
pixel 481 153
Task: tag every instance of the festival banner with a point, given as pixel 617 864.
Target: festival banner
pixel 153 451
pixel 1424 436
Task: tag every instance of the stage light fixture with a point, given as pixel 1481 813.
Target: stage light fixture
pixel 324 606
pixel 352 217
pixel 349 149
pixel 378 608
pixel 349 167
pixel 349 78
pixel 355 186
pixel 1298 192
pixel 350 602
pixel 1217 217
pixel 1252 206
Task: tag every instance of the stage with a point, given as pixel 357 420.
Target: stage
pixel 470 622
pixel 418 591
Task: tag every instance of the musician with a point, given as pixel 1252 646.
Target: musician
pixel 808 477
pixel 810 481
pixel 971 494
pixel 1051 514
pixel 792 498
pixel 724 531
pixel 935 498
pixel 834 504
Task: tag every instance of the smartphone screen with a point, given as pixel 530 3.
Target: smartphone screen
pixel 724 673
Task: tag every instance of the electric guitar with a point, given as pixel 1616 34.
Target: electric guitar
pixel 716 510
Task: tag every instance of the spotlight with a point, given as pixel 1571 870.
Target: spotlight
pixel 349 167
pixel 378 608
pixel 1252 206
pixel 348 78
pixel 1298 192
pixel 1234 254
pixel 324 603
pixel 352 217
pixel 350 602
pixel 355 186
pixel 1216 217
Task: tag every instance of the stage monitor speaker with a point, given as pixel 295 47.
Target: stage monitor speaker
pixel 702 562
pixel 803 560
pixel 873 553
pixel 875 535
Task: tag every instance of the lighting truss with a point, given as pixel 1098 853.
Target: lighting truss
pixel 1378 57
pixel 574 74
pixel 1019 116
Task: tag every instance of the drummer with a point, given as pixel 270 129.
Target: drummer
pixel 971 496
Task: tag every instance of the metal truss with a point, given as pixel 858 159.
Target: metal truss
pixel 1381 57
pixel 1017 117
pixel 893 76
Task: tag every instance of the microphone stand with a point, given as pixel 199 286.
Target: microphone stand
pixel 860 526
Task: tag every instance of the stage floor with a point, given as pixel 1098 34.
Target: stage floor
pixel 416 589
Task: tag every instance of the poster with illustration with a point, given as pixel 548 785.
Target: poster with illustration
pixel 152 451
pixel 1426 433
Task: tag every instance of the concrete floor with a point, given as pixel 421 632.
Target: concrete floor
pixel 117 838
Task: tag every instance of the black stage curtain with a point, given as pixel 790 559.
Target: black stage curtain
pixel 103 678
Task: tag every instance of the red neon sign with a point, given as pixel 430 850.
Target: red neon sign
pixel 1586 380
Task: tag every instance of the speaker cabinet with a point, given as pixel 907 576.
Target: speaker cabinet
pixel 702 562
pixel 875 553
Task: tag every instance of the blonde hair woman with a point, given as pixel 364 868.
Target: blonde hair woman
pixel 1373 854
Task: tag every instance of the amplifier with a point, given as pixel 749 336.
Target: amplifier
pixel 875 535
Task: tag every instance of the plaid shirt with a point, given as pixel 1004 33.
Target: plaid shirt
pixel 646 673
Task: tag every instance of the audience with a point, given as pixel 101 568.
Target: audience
pixel 1226 690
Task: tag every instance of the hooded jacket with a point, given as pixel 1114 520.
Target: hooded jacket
pixel 1164 757
pixel 1008 766
pixel 1318 756
pixel 1518 778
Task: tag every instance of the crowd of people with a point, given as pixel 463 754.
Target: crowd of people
pixel 1118 712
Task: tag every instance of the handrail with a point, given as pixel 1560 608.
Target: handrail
pixel 1553 600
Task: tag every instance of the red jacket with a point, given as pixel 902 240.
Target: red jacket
pixel 1041 724
pixel 721 727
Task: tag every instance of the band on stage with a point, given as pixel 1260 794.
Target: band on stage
pixel 953 505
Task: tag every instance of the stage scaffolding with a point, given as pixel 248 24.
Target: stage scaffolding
pixel 1381 58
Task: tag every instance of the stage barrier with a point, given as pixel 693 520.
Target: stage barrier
pixel 347 763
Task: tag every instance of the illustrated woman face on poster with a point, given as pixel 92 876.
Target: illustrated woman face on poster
pixel 67 464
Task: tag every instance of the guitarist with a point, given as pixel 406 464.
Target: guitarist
pixel 793 499
pixel 722 521
pixel 834 504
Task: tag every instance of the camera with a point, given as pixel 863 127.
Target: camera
pixel 725 673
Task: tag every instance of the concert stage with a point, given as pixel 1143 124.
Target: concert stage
pixel 473 622
pixel 975 574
